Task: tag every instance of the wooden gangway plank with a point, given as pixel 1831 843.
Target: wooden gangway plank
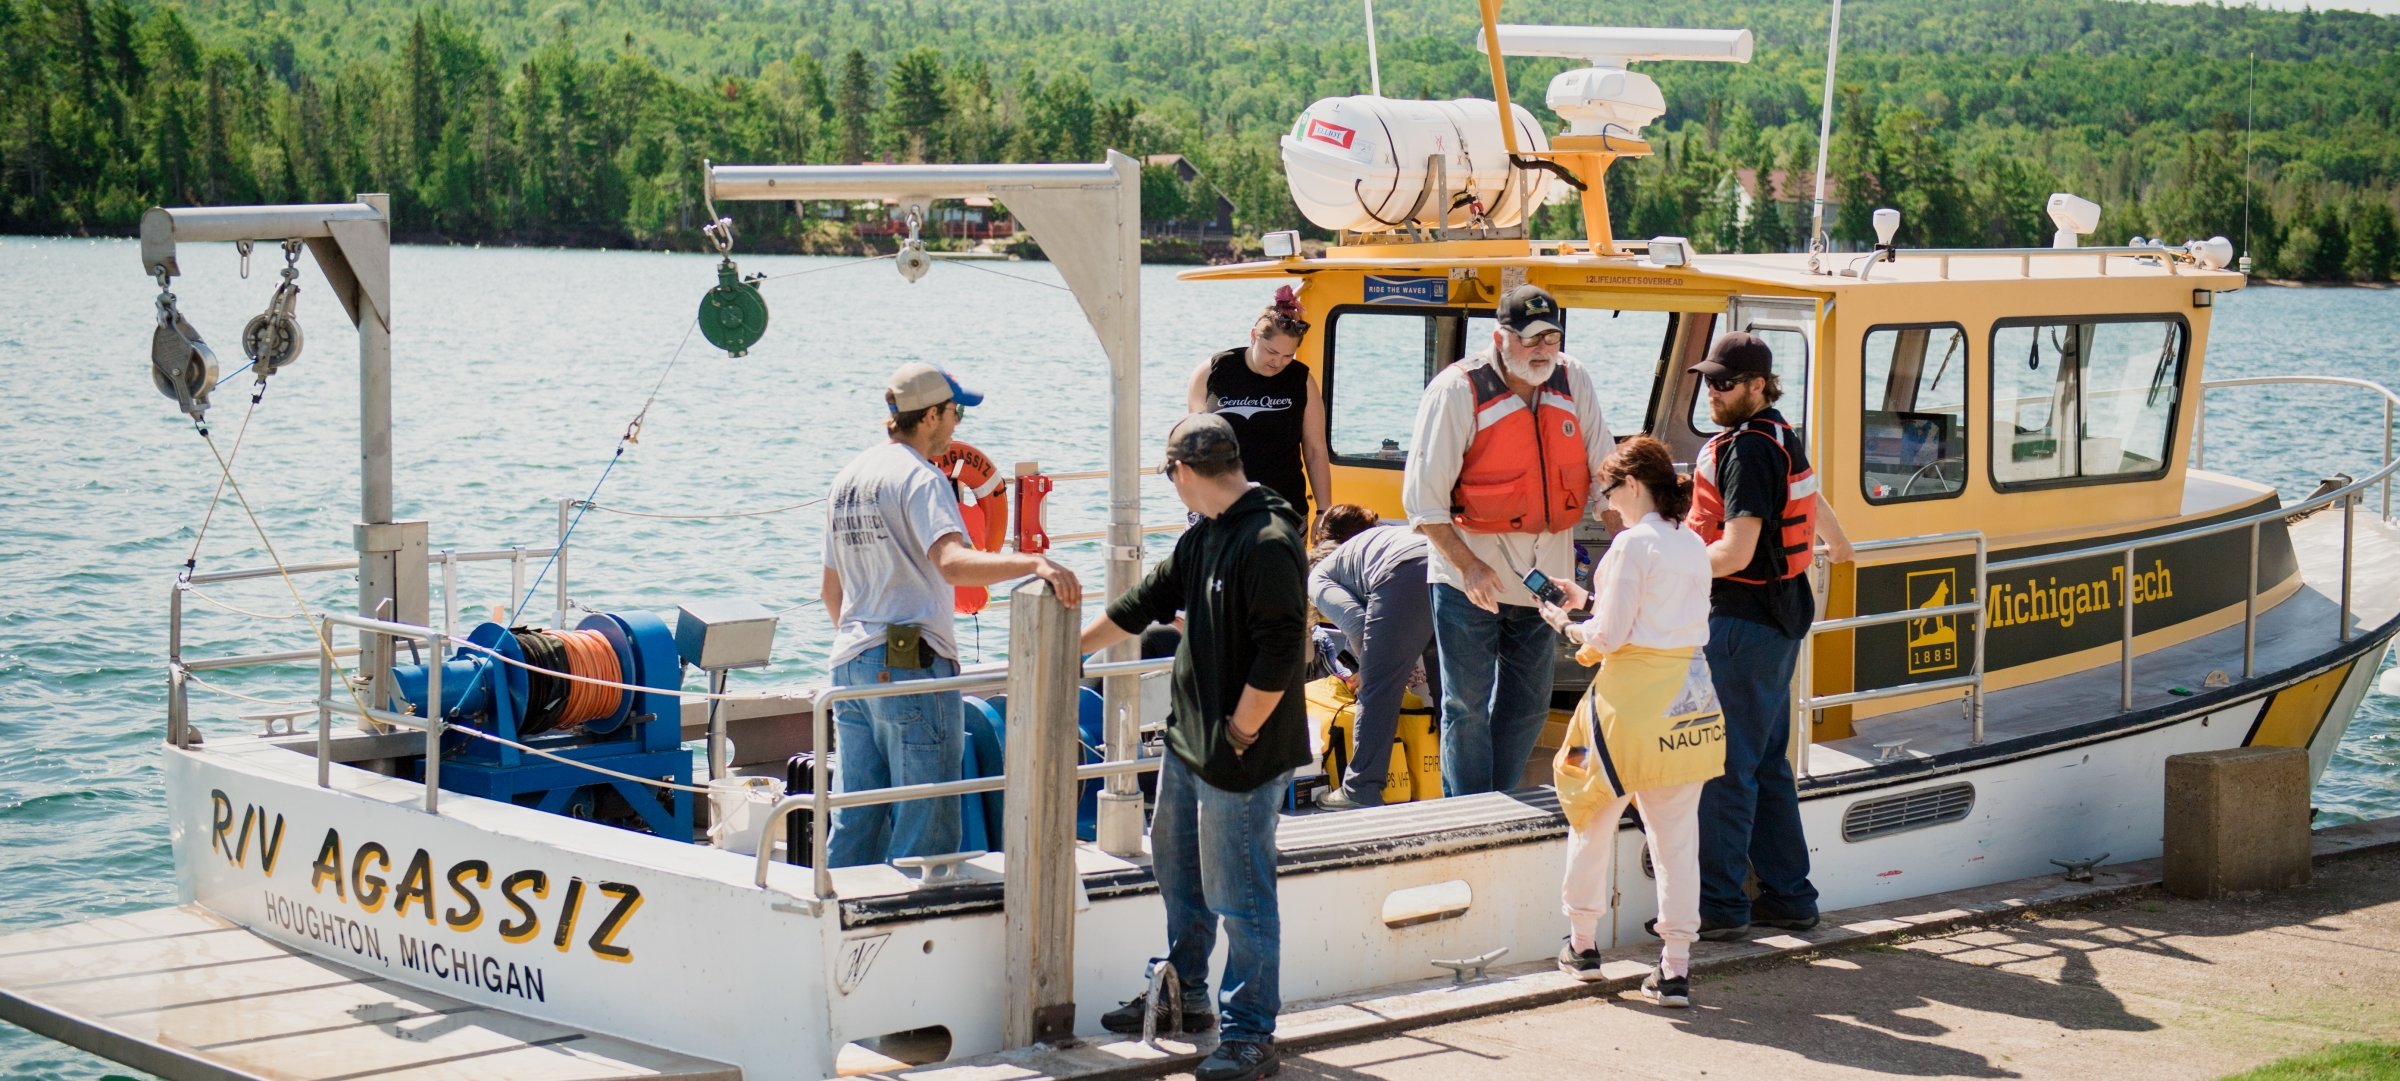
pixel 190 996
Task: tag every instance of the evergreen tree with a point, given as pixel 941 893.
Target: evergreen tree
pixel 855 106
pixel 1770 230
pixel 918 99
pixel 1857 162
pixel 2333 244
pixel 2374 243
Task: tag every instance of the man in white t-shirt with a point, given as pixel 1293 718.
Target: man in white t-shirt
pixel 895 546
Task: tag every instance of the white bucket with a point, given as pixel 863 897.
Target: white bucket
pixel 1359 163
pixel 738 811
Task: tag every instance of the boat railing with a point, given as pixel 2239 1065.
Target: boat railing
pixel 823 801
pixel 1808 702
pixel 181 668
pixel 2390 399
pixel 2348 496
pixel 2173 259
pixel 430 723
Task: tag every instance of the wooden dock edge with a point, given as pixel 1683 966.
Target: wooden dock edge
pixel 187 995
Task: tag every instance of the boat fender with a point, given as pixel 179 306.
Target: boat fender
pixel 983 502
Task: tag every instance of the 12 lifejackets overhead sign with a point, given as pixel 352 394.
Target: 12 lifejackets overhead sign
pixel 351 890
pixel 2047 611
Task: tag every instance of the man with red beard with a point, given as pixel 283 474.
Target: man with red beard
pixel 1754 500
pixel 1504 461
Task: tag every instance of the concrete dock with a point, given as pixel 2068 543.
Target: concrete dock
pixel 2039 978
pixel 2147 986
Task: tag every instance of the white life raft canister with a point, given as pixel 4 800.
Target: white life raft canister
pixel 1360 163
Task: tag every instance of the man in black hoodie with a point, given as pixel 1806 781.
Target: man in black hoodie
pixel 1235 731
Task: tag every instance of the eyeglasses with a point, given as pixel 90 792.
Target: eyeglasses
pixel 1723 383
pixel 1611 488
pixel 1168 470
pixel 1288 326
pixel 1548 339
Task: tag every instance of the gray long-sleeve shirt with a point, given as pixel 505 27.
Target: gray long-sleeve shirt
pixel 1338 584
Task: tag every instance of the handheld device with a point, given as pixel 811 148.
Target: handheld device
pixel 1544 588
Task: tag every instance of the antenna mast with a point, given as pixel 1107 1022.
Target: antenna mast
pixel 2248 126
pixel 1374 67
pixel 1817 242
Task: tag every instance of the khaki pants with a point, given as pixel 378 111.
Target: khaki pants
pixel 1671 818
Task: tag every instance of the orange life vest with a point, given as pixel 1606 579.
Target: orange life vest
pixel 1526 470
pixel 1793 529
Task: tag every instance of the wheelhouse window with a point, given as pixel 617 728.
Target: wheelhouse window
pixel 2084 402
pixel 1913 419
pixel 1380 362
pixel 1382 359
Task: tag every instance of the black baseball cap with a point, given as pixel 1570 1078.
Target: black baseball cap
pixel 1203 438
pixel 1528 310
pixel 1738 353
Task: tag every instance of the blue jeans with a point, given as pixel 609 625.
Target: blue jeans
pixel 1496 673
pixel 888 742
pixel 1750 816
pixel 1399 631
pixel 1213 854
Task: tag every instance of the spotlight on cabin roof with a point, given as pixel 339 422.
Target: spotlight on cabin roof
pixel 2074 216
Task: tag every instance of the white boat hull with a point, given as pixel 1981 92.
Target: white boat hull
pixel 706 963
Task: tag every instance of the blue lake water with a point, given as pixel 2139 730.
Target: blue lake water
pixel 516 371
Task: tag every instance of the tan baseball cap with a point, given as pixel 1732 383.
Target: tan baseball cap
pixel 918 385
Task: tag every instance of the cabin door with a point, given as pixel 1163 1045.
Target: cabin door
pixel 1788 325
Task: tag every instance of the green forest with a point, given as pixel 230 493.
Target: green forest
pixel 585 121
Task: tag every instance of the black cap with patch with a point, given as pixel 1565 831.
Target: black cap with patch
pixel 1528 310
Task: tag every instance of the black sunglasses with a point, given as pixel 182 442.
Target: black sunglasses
pixel 1290 327
pixel 1723 383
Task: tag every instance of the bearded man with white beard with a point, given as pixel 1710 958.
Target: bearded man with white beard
pixel 1504 462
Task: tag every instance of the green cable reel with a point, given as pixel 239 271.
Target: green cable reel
pixel 733 316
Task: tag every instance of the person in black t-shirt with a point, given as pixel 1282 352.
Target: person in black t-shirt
pixel 1755 501
pixel 1274 405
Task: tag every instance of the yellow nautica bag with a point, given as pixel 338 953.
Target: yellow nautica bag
pixel 1650 720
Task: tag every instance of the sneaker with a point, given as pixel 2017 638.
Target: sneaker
pixel 1671 992
pixel 1239 1060
pixel 1712 931
pixel 1334 799
pixel 1785 923
pixel 1582 964
pixel 1127 1019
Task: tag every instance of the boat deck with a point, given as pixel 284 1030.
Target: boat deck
pixel 2291 635
pixel 186 994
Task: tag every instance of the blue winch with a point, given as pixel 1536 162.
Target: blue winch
pixel 530 702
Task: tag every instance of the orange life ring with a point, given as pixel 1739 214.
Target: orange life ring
pixel 983 502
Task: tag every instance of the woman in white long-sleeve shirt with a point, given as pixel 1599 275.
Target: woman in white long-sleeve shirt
pixel 1649 619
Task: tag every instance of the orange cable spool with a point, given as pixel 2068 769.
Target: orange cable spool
pixel 589 656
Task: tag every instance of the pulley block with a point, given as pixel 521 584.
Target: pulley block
pixel 182 366
pixel 912 260
pixel 733 316
pixel 272 338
